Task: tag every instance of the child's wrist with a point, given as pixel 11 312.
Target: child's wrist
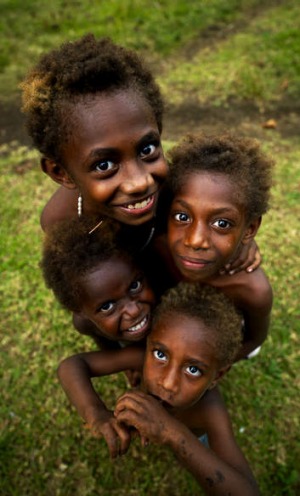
pixel 174 433
pixel 96 415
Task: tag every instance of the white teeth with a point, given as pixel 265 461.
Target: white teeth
pixel 139 326
pixel 138 205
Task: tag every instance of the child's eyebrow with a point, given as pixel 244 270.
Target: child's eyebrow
pixel 103 151
pixel 220 210
pixel 158 344
pixel 151 135
pixel 188 359
pixel 196 361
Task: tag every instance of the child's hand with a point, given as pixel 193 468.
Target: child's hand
pixel 134 377
pixel 248 259
pixel 116 435
pixel 146 414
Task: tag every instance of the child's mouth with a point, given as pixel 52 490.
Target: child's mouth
pixel 138 330
pixel 139 326
pixel 164 403
pixel 140 207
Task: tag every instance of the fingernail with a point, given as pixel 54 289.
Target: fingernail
pixel 231 272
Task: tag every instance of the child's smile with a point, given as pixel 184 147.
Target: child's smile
pixel 206 225
pixel 114 156
pixel 117 298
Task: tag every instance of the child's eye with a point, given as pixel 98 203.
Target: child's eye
pixel 107 306
pixel 104 166
pixel 181 217
pixel 148 150
pixel 135 287
pixel 222 223
pixel 159 355
pixel 193 370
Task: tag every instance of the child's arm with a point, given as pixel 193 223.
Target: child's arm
pixel 255 300
pixel 75 375
pixel 220 471
pixel 62 205
pixel 248 259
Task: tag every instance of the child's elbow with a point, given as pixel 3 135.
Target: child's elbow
pixel 63 368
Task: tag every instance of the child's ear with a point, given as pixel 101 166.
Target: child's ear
pixel 219 376
pixel 251 230
pixel 57 173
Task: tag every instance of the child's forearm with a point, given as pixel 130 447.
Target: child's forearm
pixel 75 377
pixel 76 381
pixel 255 333
pixel 212 473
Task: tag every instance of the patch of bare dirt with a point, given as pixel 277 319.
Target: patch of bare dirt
pixel 244 118
pixel 12 123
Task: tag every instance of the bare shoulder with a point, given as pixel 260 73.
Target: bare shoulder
pixel 209 412
pixel 62 205
pixel 248 290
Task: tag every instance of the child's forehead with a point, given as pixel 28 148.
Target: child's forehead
pixel 211 182
pixel 108 98
pixel 217 177
pixel 113 271
pixel 182 325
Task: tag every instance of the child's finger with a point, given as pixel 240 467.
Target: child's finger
pixel 257 262
pixel 124 438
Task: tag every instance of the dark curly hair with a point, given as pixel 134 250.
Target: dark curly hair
pixel 69 252
pixel 78 69
pixel 239 158
pixel 211 307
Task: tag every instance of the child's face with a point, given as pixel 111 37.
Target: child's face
pixel 117 298
pixel 114 156
pixel 180 361
pixel 206 225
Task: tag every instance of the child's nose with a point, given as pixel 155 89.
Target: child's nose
pixel 132 309
pixel 197 237
pixel 169 380
pixel 137 179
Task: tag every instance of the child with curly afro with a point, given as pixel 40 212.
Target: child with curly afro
pixel 98 276
pixel 195 336
pixel 94 111
pixel 220 188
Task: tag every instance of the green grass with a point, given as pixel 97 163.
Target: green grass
pixel 27 29
pixel 44 450
pixel 260 63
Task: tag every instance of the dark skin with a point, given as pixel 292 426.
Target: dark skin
pixel 114 159
pixel 223 468
pixel 207 227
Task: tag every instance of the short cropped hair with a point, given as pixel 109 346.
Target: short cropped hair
pixel 82 68
pixel 210 306
pixel 241 159
pixel 69 252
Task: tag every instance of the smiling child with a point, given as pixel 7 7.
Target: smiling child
pixel 99 279
pixel 220 188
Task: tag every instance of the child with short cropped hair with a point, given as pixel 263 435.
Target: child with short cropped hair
pixel 195 336
pixel 220 188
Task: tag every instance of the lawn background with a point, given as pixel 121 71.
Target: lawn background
pixel 219 54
